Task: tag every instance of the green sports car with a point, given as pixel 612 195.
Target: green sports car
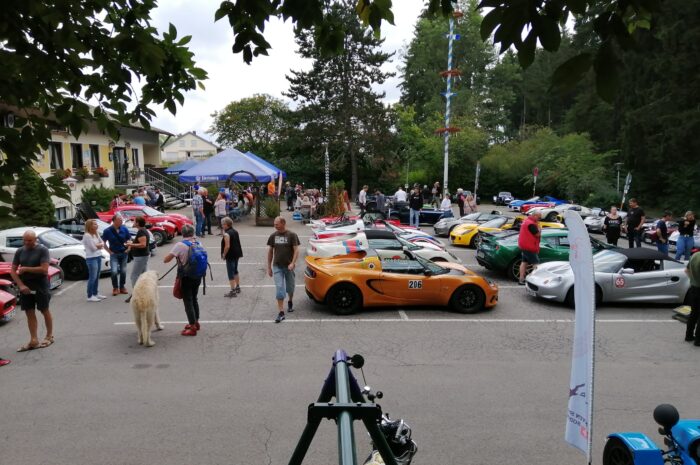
pixel 500 252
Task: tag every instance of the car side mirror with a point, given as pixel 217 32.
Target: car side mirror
pixel 627 271
pixel 428 272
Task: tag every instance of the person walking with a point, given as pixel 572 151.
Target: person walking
pixel 116 237
pixel 139 251
pixel 198 212
pixel 612 226
pixel 686 237
pixel 282 254
pixel 94 245
pixel 692 269
pixel 30 272
pixel 634 222
pixel 662 233
pixel 529 244
pixel 460 201
pixel 189 284
pixel 231 251
pixel 415 205
pixel 362 199
pixel 220 210
pixel 446 207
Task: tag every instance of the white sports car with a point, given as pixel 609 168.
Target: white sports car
pixel 551 213
pixel 621 275
pixel 387 245
pixel 69 251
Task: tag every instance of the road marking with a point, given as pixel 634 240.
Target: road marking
pixel 397 320
pixel 65 289
pixel 403 315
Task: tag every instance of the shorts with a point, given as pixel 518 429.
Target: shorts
pixel 38 300
pixel 284 281
pixel 530 257
pixel 231 268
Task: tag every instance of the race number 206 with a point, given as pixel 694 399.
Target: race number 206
pixel 415 284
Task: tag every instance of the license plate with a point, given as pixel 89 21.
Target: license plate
pixel 530 291
pixel 9 316
pixel 480 254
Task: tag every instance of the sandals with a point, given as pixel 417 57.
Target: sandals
pixel 46 342
pixel 43 344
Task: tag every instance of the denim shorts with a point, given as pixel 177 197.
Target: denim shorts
pixel 530 257
pixel 232 268
pixel 284 281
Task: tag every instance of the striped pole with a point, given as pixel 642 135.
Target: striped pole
pixel 448 96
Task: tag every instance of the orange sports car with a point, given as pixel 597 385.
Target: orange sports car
pixel 351 282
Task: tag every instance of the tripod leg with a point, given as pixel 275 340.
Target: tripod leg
pixel 304 442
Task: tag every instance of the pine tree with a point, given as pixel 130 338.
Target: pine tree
pixel 32 203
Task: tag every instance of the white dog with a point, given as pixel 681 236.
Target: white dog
pixel 144 303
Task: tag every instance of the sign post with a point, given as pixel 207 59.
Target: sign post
pixel 476 179
pixel 628 181
pixel 328 171
pixel 535 173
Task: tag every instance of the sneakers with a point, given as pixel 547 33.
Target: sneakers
pixel 280 317
pixel 196 326
pixel 190 330
pixel 94 298
pixel 521 283
pixel 123 291
pixel 115 291
pixel 231 293
pixel 3 362
pixel 238 289
pixel 290 306
pixel 689 339
pixel 101 297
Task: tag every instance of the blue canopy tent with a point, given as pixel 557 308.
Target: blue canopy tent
pixel 266 163
pixel 220 166
pixel 181 167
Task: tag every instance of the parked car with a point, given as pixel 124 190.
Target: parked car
pixel 445 226
pixel 427 215
pixel 503 198
pixel 55 274
pixel 69 251
pixel 621 275
pixel 172 222
pixel 557 211
pixel 649 236
pixel 75 227
pixel 501 253
pixel 347 285
pixel 594 222
pixel 8 301
pixel 673 238
pixel 469 234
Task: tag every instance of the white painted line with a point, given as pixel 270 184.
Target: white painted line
pixel 397 320
pixel 403 315
pixel 66 289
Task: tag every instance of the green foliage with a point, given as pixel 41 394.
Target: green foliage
pixel 334 204
pixel 101 196
pixel 270 207
pixel 32 203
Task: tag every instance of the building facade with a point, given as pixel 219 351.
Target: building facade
pixel 187 146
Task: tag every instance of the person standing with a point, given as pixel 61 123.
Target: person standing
pixel 139 251
pixel 116 238
pixel 460 201
pixel 529 244
pixel 30 272
pixel 400 196
pixel 415 205
pixel 634 222
pixel 692 269
pixel 208 210
pixel 381 201
pixel 160 201
pixel 436 194
pixel 189 284
pixel 662 233
pixel 271 188
pixel 612 226
pixel 282 254
pixel 346 200
pixel 231 252
pixel 362 200
pixel 446 207
pixel 198 212
pixel 139 199
pixel 93 257
pixel 426 194
pixel 220 207
pixel 686 237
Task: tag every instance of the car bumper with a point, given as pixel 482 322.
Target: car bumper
pixel 546 289
pixel 442 231
pixel 461 240
pixel 55 281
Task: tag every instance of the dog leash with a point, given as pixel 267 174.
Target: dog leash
pixel 171 269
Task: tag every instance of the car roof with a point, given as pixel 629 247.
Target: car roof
pixel 643 253
pixel 23 229
pixel 555 232
pixel 379 234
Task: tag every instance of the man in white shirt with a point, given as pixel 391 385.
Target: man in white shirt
pixel 400 195
pixel 362 199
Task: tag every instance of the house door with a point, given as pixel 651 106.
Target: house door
pixel 121 166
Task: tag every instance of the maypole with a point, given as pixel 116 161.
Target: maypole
pixel 448 74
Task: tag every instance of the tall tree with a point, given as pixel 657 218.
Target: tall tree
pixel 251 124
pixel 337 104
pixel 32 203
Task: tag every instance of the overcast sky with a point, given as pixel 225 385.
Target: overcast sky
pixel 231 79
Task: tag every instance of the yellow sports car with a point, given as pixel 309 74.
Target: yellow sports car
pixel 349 283
pixel 468 234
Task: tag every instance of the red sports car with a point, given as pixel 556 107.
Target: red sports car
pixel 8 301
pixel 528 206
pixel 55 273
pixel 150 214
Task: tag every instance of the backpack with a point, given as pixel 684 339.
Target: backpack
pixel 197 261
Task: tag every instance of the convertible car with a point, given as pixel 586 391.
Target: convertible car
pixel 427 215
pixel 445 226
pixel 503 198
pixel 525 205
pixel 172 222
pixel 553 213
pixel 469 234
pixel 621 275
pixel 348 284
pixel 501 252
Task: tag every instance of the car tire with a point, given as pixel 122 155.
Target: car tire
pixel 551 217
pixel 74 268
pixel 617 453
pixel 570 301
pixel 514 270
pixel 467 299
pixel 344 299
pixel 475 241
pixel 158 238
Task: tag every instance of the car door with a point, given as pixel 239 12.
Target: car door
pixel 8 247
pixel 552 250
pixel 405 281
pixel 643 280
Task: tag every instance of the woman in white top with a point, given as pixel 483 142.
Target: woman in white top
pixel 220 210
pixel 93 256
pixel 446 207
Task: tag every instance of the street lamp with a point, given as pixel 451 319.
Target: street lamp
pixel 618 166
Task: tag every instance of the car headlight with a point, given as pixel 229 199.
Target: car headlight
pixel 554 280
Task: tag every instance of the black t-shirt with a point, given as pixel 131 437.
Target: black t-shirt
pixel 415 200
pixel 140 252
pixel 613 225
pixel 634 217
pixel 686 229
pixel 234 249
pixel 208 204
pixel 31 258
pixel 661 230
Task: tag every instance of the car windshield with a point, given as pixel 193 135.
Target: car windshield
pixel 472 216
pixel 151 211
pixel 504 194
pixel 53 239
pixel 408 245
pixel 386 244
pixel 428 265
pixel 608 261
pixel 495 223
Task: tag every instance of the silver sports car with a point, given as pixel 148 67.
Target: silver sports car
pixel 621 275
pixel 445 225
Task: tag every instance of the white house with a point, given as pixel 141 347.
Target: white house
pixel 187 146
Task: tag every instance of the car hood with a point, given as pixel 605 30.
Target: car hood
pixel 557 268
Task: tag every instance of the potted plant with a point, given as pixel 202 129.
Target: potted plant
pixel 269 210
pixel 101 172
pixel 82 173
pixel 63 173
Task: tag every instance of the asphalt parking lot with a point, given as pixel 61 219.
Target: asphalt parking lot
pixel 478 389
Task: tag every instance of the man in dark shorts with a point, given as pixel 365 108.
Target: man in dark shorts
pixel 635 221
pixel 30 271
pixel 529 244
pixel 231 251
pixel 282 254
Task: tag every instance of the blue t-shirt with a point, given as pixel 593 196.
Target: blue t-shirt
pixel 116 239
pixel 139 200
